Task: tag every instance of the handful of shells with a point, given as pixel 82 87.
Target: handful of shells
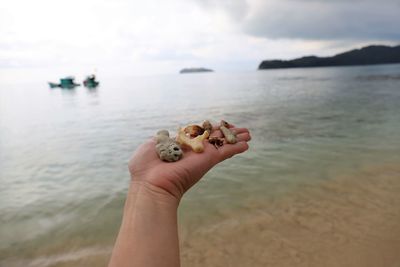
pixel 192 137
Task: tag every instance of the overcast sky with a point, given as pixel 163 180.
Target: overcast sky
pixel 150 37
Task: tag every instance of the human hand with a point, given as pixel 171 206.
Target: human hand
pixel 175 178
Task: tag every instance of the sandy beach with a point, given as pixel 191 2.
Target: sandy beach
pixel 350 221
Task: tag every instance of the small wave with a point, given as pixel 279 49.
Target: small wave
pixel 383 77
pixel 293 78
pixel 59 258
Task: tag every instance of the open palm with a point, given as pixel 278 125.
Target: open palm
pixel 177 177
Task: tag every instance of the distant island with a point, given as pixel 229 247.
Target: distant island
pixel 194 70
pixel 374 54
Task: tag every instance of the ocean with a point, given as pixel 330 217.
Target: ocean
pixel 64 153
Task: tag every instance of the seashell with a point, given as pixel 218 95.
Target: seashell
pixel 167 148
pixel 230 137
pixel 194 130
pixel 216 141
pixel 224 123
pixel 207 126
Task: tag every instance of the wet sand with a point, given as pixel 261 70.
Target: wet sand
pixel 351 221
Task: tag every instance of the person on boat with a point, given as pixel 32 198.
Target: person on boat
pixel 148 236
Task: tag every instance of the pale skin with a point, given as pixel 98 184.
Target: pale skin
pixel 148 235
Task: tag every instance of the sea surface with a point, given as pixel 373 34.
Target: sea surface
pixel 64 153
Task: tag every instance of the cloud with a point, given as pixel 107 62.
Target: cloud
pixel 237 9
pixel 95 32
pixel 332 20
pixel 315 19
pixel 163 36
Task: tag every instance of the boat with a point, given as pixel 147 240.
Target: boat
pixel 68 83
pixel 65 83
pixel 54 85
pixel 90 82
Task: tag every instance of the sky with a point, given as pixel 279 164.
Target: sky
pixel 161 37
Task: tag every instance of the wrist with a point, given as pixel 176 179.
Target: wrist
pixel 150 192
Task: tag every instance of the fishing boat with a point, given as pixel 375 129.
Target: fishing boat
pixel 54 85
pixel 90 82
pixel 65 83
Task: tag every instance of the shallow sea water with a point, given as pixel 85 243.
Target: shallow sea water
pixel 64 153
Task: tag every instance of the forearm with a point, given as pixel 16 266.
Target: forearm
pixel 149 234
